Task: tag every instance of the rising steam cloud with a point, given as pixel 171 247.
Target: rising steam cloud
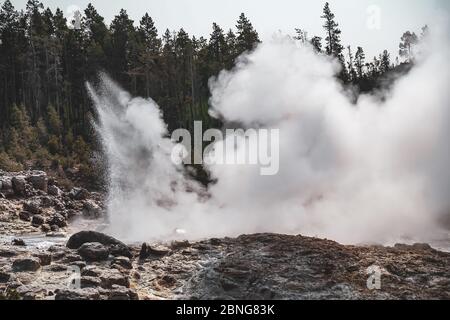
pixel 374 171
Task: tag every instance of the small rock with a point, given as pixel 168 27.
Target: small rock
pixel 7 185
pixel 215 241
pixel 71 258
pixel 122 293
pixel 32 206
pixel 90 282
pixel 56 268
pixel 47 202
pixel 93 251
pixel 59 249
pixel 39 181
pixel 136 275
pixel 91 210
pixel 18 185
pixel 54 228
pixel 59 206
pixel 26 264
pixel 25 216
pixel 120 251
pixel 167 281
pixel 114 278
pixel 29 292
pixel 79 194
pixel 80 294
pixel 91 271
pixel 123 262
pixel 54 191
pixel 176 245
pixel 63 213
pixel 147 251
pixel 37 220
pixel 7 253
pixel 52 181
pixel 4 276
pixel 353 268
pixel 44 258
pixel 57 219
pixel 18 242
pixel 45 228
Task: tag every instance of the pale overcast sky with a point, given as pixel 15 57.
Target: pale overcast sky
pixel 270 16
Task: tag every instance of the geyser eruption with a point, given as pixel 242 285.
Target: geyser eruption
pixel 144 186
pixel 373 171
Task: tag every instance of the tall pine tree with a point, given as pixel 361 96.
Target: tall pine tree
pixel 247 37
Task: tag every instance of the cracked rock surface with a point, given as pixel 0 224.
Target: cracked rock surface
pixel 259 266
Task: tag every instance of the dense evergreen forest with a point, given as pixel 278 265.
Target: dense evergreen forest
pixel 45 111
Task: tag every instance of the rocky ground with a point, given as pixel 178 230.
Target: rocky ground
pixel 31 202
pixel 92 265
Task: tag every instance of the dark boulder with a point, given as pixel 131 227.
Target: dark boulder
pixel 93 251
pixel 25 216
pixel 121 251
pixel 4 276
pixel 7 253
pixel 37 220
pixel 78 239
pixel 58 220
pixel 32 206
pixel 18 242
pixel 39 181
pixel 18 185
pixel 26 264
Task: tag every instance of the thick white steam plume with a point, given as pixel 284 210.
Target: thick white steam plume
pixel 373 171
